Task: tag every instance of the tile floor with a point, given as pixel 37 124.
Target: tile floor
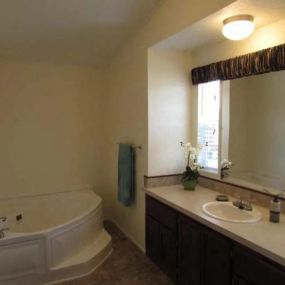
pixel 126 266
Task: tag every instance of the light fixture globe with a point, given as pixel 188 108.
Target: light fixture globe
pixel 238 27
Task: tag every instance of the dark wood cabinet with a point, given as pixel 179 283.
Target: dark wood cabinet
pixel 161 237
pixel 169 253
pixel 216 258
pixel 203 255
pixel 192 254
pixel 165 215
pixel 189 252
pixel 153 240
pixel 256 269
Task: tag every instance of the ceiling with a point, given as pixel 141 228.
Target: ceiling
pixel 69 31
pixel 208 30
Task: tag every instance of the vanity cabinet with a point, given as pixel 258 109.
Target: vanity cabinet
pixel 161 236
pixel 203 255
pixel 215 258
pixel 189 252
pixel 192 254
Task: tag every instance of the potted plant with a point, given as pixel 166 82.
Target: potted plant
pixel 191 174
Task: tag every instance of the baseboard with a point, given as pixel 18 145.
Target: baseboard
pixel 129 236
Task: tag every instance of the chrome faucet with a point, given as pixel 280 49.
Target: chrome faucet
pixel 243 204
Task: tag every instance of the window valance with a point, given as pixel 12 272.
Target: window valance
pixel 263 61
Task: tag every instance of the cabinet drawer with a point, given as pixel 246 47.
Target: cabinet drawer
pixel 256 269
pixel 162 213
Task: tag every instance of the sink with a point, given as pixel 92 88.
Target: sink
pixel 226 211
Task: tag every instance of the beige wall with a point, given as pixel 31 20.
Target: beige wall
pixel 238 138
pixel 51 128
pixel 128 101
pixel 169 120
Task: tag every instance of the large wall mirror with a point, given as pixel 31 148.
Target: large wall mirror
pixel 242 121
pixel 257 130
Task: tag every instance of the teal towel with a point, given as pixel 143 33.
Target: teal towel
pixel 126 174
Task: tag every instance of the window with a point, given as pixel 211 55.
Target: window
pixel 209 102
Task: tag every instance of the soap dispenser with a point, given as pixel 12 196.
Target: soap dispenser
pixel 275 209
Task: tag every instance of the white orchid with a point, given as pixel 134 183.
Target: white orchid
pixel 191 174
pixel 191 154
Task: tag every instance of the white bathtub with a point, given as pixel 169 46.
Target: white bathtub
pixel 60 236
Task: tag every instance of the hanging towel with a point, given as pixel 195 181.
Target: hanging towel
pixel 126 174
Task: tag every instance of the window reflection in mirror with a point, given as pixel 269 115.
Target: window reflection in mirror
pixel 209 124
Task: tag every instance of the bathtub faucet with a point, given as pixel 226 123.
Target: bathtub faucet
pixel 2 230
pixel 3 219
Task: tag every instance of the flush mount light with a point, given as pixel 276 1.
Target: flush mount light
pixel 238 27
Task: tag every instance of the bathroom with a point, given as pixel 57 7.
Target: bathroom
pixel 80 77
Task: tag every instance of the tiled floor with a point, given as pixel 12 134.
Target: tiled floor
pixel 126 266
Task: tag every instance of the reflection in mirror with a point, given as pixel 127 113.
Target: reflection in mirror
pixel 209 124
pixel 257 130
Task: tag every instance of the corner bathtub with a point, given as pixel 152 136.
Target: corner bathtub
pixel 60 236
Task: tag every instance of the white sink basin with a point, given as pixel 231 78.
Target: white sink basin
pixel 226 211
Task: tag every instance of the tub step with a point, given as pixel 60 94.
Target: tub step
pixel 93 251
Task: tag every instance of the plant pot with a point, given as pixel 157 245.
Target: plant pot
pixel 189 184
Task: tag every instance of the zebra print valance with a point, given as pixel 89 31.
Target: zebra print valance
pixel 266 60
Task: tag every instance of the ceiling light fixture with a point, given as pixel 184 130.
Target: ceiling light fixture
pixel 238 27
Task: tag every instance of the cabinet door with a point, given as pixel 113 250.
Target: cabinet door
pixel 216 259
pixel 153 240
pixel 169 253
pixel 255 268
pixel 161 247
pixel 189 252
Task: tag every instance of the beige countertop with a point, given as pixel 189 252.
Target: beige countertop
pixel 264 237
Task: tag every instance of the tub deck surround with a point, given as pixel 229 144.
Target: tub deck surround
pixel 263 237
pixel 127 265
pixel 60 236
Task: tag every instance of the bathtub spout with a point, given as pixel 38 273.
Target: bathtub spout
pixel 3 223
pixel 2 232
